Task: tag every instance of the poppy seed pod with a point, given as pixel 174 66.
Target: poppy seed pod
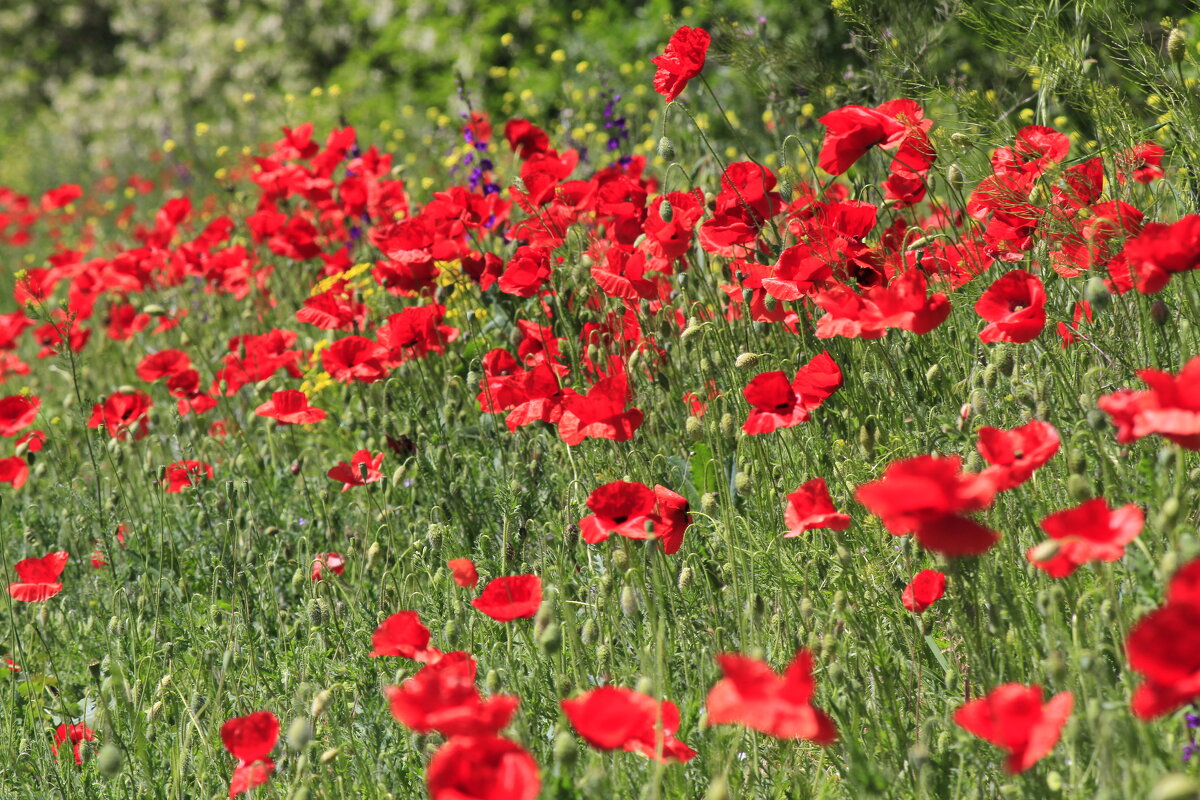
pixel 1177 45
pixel 666 148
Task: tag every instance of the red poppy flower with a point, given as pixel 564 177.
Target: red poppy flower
pixel 33 441
pixel 619 507
pixel 1015 454
pixel 526 272
pixel 674 518
pixel 250 740
pixel 402 634
pixel 120 412
pixel 18 412
pixel 290 407
pixel 334 561
pixel 925 589
pixel 355 358
pixel 414 333
pixel 525 138
pixel 850 131
pixel 362 469
pixel 612 717
pixel 1170 407
pixel 38 577
pixel 77 734
pixel 482 768
pixel 442 697
pixel 163 364
pixel 464 572
pixel 182 474
pixel 601 413
pixel 11 665
pixel 14 470
pixel 1089 532
pixel 810 507
pixel 1015 307
pixel 1142 161
pixel 1162 250
pixel 511 597
pixel 61 197
pixel 682 60
pixel 751 694
pixel 776 403
pixel 1014 718
pixel 927 496
pixel 1164 646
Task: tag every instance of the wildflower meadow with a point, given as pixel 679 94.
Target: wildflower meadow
pixel 711 423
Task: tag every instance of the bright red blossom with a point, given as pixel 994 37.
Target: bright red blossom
pixel 1014 718
pixel 402 634
pixel 182 474
pixel 250 739
pixel 510 597
pixel 38 577
pixel 464 572
pixel 1164 646
pixel 1170 407
pixel 682 60
pixel 1015 308
pixel 482 768
pixel 77 734
pixel 751 694
pixel 777 403
pixel 442 697
pixel 1015 454
pixel 925 589
pixel 810 507
pixel 613 717
pixel 290 407
pixel 362 469
pixel 1089 532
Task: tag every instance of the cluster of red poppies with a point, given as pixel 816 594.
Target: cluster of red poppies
pixel 816 260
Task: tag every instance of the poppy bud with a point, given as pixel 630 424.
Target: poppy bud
pixel 718 789
pixel 565 750
pixel 620 560
pixel 839 600
pixel 806 609
pixel 1175 787
pixel 543 617
pixel 918 755
pixel 601 653
pixel 747 360
pixel 741 483
pixel 550 639
pixel 1177 45
pixel 962 140
pixel 666 211
pixel 588 634
pixel 954 177
pixel 1005 359
pixel 708 503
pixel 319 703
pixel 1096 292
pixel 950 679
pixel 1159 313
pixel 695 428
pixel 666 149
pixel 991 376
pixel 299 733
pixel 492 681
pixel 644 684
pixel 109 760
pixel 1079 488
pixel 1168 515
pixel 329 755
pixel 1044 551
pixel 629 604
pixel 978 401
pixel 728 426
pixel 373 553
pixel 301 793
pixel 153 712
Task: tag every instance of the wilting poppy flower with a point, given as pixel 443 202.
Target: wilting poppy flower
pixel 14 470
pixel 925 589
pixel 442 697
pixel 1164 646
pixel 38 577
pixel 810 507
pixel 464 572
pixel 77 734
pixel 182 474
pixel 290 407
pixel 17 412
pixel 1014 718
pixel 362 469
pixel 682 60
pixel 120 412
pixel 612 717
pixel 250 740
pixel 402 634
pixel 751 694
pixel 1089 532
pixel 777 403
pixel 619 507
pixel 927 496
pixel 334 561
pixel 1015 454
pixel 1015 308
pixel 1170 407
pixel 482 768
pixel 511 597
